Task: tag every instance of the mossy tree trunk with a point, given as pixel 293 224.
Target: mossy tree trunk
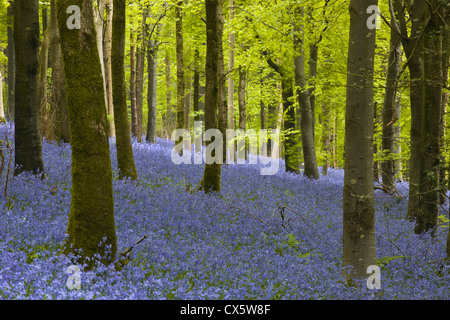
pixel 28 150
pixel 358 202
pixel 91 218
pixel 212 173
pixel 125 158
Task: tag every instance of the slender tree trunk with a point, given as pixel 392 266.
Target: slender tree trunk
pixel 358 212
pixel 140 65
pixel 242 105
pixel 432 104
pixel 125 158
pixel 390 115
pixel 222 91
pixel 180 67
pixel 91 226
pixel 231 119
pixel 2 109
pixel 11 61
pixel 169 112
pixel 196 97
pixel 59 96
pixel 108 67
pixel 152 92
pixel 413 51
pixel 44 117
pixel 133 85
pixel 326 137
pixel 303 95
pixel 28 150
pixel 313 60
pixel 212 174
pixel 99 14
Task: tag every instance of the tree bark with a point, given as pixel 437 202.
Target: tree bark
pixel 125 158
pixel 222 91
pixel 108 67
pixel 91 226
pixel 11 60
pixel 413 51
pixel 2 109
pixel 390 114
pixel 358 208
pixel 140 65
pixel 196 97
pixel 152 92
pixel 212 173
pixel 180 67
pixel 231 119
pixel 28 150
pixel 59 96
pixel 304 100
pixel 134 124
pixel 432 104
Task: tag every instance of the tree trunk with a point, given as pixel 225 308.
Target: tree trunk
pixel 358 210
pixel 140 65
pixel 108 67
pixel 59 96
pixel 91 226
pixel 303 95
pixel 125 158
pixel 44 117
pixel 180 67
pixel 169 112
pixel 134 123
pixel 152 92
pixel 28 150
pixel 196 97
pixel 432 103
pixel 326 137
pixel 211 176
pixel 242 105
pixel 413 51
pixel 231 119
pixel 11 61
pixel 390 114
pixel 222 91
pixel 2 110
pixel 99 13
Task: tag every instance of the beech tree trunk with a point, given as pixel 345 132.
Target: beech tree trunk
pixel 212 173
pixel 180 67
pixel 125 158
pixel 11 60
pixel 358 209
pixel 390 112
pixel 152 92
pixel 91 226
pixel 304 100
pixel 429 185
pixel 59 96
pixel 28 150
pixel 231 119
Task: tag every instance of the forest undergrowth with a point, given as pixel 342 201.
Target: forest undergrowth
pixel 263 237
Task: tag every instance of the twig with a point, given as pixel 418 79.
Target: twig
pixel 248 212
pixel 434 261
pixel 131 248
